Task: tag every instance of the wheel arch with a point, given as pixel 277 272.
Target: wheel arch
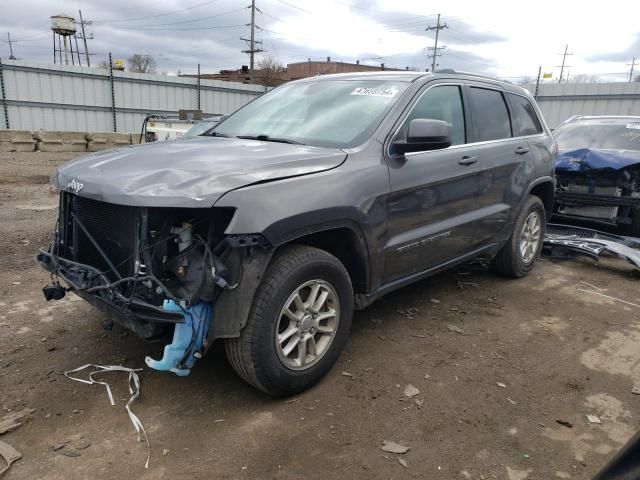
pixel 343 239
pixel 344 243
pixel 544 188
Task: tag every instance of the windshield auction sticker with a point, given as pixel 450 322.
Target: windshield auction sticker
pixel 374 92
pixel 635 126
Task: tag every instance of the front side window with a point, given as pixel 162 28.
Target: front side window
pixel 440 103
pixel 490 114
pixel 323 113
pixel 524 115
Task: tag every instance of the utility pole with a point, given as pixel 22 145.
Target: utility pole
pixel 11 57
pixel 632 64
pixel 84 37
pixel 535 95
pixel 252 41
pixel 435 47
pixel 564 58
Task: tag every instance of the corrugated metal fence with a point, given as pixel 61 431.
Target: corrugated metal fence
pixel 559 101
pixel 67 98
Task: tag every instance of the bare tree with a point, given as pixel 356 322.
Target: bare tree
pixel 104 65
pixel 526 80
pixel 583 78
pixel 637 78
pixel 141 63
pixel 269 71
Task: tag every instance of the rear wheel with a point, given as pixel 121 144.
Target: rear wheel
pixel 299 322
pixel 518 255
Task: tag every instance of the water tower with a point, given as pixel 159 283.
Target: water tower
pixel 64 31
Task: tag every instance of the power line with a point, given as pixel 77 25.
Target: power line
pixel 373 10
pixel 184 21
pixel 357 7
pixel 475 39
pixel 469 24
pixel 295 6
pixel 563 66
pixel 28 39
pixel 271 16
pixel 158 15
pixel 215 27
pixel 435 47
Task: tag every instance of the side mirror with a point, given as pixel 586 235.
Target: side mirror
pixel 424 134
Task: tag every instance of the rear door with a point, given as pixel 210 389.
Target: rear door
pixel 433 193
pixel 504 161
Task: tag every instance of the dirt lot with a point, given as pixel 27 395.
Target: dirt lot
pixel 533 351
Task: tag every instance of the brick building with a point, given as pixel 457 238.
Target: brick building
pixel 293 71
pixel 310 68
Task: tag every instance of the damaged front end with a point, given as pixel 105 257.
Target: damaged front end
pixel 157 271
pixel 599 187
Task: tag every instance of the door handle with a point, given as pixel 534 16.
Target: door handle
pixel 466 160
pixel 522 150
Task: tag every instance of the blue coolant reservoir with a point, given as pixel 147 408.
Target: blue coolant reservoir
pixel 188 339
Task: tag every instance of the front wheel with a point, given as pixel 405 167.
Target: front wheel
pixel 517 256
pixel 298 325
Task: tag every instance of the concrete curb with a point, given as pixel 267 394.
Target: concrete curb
pixel 16 141
pixel 48 141
pixel 103 141
pixel 60 141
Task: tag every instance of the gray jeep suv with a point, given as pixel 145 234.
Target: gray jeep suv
pixel 314 199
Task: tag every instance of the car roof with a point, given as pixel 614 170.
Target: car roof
pixel 410 76
pixel 603 119
pixel 401 75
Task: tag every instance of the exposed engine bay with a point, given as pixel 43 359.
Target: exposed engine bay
pixel 155 270
pixel 593 186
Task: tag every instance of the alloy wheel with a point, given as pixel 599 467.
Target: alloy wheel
pixel 307 324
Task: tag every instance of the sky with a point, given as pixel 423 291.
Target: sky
pixel 499 38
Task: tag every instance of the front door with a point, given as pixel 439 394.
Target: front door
pixel 433 193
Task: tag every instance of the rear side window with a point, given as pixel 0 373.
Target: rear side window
pixel 490 114
pixel 524 116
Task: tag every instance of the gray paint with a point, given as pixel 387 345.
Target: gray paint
pixel 190 173
pixel 412 214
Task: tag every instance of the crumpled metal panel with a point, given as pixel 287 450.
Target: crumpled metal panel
pixel 584 159
pixel 593 245
pixel 190 173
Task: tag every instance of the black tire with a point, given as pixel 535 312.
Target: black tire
pixel 254 355
pixel 509 261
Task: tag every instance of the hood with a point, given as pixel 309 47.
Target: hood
pixel 584 159
pixel 188 173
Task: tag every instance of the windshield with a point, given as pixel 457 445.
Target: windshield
pixel 620 136
pixel 200 127
pixel 325 113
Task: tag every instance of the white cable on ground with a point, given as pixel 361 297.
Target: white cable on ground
pixel 134 390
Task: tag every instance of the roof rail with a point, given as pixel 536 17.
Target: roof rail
pixel 471 74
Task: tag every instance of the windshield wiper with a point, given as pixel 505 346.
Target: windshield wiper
pixel 267 138
pixel 216 134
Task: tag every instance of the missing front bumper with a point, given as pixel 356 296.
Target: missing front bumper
pixel 147 320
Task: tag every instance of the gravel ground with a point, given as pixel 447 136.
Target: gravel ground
pixel 532 351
